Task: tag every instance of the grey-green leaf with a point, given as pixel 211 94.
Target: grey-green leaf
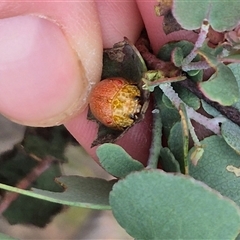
pixel 221 87
pixel 165 52
pixel 169 114
pixel 79 191
pixel 235 68
pixel 222 15
pixel 116 161
pixel 188 97
pixel 156 205
pixel 215 167
pixel 209 109
pixel 177 56
pixel 231 134
pixel 176 144
pixel 168 162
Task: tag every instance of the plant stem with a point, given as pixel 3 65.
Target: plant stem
pixel 211 124
pixel 229 112
pixel 167 68
pixel 185 128
pixel 156 143
pixel 193 134
pixel 196 66
pixel 201 38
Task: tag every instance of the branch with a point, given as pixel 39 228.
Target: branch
pixel 209 123
pixel 229 112
pixel 154 63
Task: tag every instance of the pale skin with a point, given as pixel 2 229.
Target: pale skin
pixel 48 67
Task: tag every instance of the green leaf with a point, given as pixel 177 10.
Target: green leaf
pixel 209 55
pixel 222 15
pixel 156 205
pixel 169 115
pixel 195 75
pixel 79 191
pixel 176 144
pixel 6 237
pixel 166 101
pixel 165 52
pixel 178 140
pixel 167 161
pixel 209 109
pixel 213 165
pixel 188 97
pixel 116 161
pixel 168 53
pixel 177 56
pixel 169 118
pixel 232 58
pixel 235 68
pixel 231 134
pixel 221 87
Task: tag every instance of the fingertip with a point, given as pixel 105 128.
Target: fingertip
pixel 84 131
pixel 118 20
pixel 42 81
pixel 50 59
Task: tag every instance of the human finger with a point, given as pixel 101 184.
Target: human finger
pixel 51 56
pixel 118 19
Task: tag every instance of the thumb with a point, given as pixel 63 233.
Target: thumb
pixel 50 59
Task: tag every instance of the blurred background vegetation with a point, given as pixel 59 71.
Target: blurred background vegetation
pixel 70 222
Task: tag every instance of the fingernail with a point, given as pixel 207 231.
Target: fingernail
pixel 42 82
